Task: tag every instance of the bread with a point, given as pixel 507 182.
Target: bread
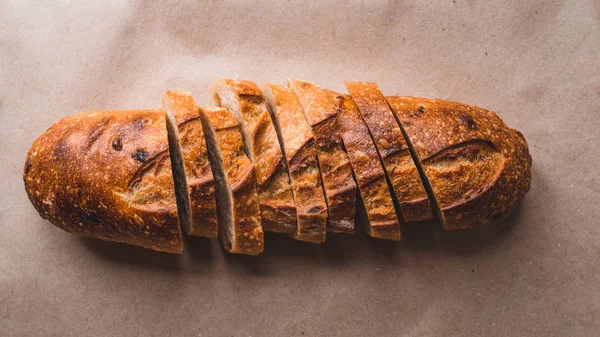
pixel 107 175
pixel 336 172
pixel 382 220
pixel 235 182
pixel 245 100
pixel 297 140
pixel 139 176
pixel 399 166
pixel 195 174
pixel 476 166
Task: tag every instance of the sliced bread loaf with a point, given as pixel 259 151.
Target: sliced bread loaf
pixel 245 100
pixel 476 167
pixel 182 111
pixel 235 181
pixel 406 184
pixel 297 141
pixel 382 220
pixel 336 172
pixel 107 175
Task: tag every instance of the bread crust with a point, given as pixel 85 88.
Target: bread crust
pixel 246 101
pixel 382 220
pixel 200 180
pixel 478 168
pixel 336 172
pixel 248 236
pixel 107 175
pixel 297 139
pixel 398 163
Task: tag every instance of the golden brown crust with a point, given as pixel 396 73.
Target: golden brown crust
pixel 197 168
pixel 248 237
pixel 297 138
pixel 245 100
pixel 107 175
pixel 382 220
pixel 398 163
pixel 336 172
pixel 478 168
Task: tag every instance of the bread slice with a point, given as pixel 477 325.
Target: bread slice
pixel 476 167
pixel 235 181
pixel 382 220
pixel 408 189
pixel 297 141
pixel 195 175
pixel 245 100
pixel 336 172
pixel 107 175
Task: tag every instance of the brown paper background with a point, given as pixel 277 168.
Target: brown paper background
pixel 534 274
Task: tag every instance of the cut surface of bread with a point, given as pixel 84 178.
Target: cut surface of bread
pixel 107 175
pixel 476 166
pixel 245 100
pixel 336 172
pixel 297 140
pixel 238 210
pixel 178 173
pixel 182 111
pixel 382 220
pixel 404 178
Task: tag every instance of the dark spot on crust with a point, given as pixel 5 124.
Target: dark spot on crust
pixel 467 120
pixel 416 113
pixel 117 144
pixel 91 218
pixel 472 125
pixel 406 124
pixel 140 155
pixel 315 209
